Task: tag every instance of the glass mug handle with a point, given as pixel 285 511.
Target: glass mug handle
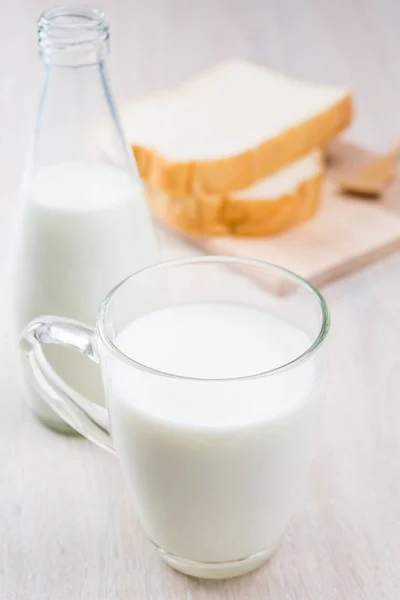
pixel 86 417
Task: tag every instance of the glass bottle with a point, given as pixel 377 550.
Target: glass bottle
pixel 83 223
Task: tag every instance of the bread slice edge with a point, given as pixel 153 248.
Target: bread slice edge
pixel 225 214
pixel 241 170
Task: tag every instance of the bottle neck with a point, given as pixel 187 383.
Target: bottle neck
pixel 77 119
pixel 73 37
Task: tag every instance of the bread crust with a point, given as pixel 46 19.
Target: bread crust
pixel 223 214
pixel 202 177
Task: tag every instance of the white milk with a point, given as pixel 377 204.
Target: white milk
pixel 215 466
pixel 83 228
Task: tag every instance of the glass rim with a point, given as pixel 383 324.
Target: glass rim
pixel 72 27
pixel 94 17
pixel 101 323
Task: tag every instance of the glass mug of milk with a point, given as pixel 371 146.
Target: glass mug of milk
pixel 214 375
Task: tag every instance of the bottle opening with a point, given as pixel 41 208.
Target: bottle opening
pixel 77 30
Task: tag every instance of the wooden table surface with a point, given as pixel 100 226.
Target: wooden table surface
pixel 67 526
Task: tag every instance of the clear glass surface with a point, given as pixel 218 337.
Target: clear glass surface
pixel 214 496
pixel 82 222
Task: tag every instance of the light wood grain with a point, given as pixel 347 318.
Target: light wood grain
pixel 67 526
pixel 346 234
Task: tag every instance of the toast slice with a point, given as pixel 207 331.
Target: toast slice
pixel 231 126
pixel 290 196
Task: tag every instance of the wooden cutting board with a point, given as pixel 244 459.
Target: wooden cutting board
pixel 346 234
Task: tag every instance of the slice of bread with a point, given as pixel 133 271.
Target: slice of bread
pixel 230 126
pixel 272 204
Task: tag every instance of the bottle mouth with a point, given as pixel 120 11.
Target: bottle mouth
pixel 77 29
